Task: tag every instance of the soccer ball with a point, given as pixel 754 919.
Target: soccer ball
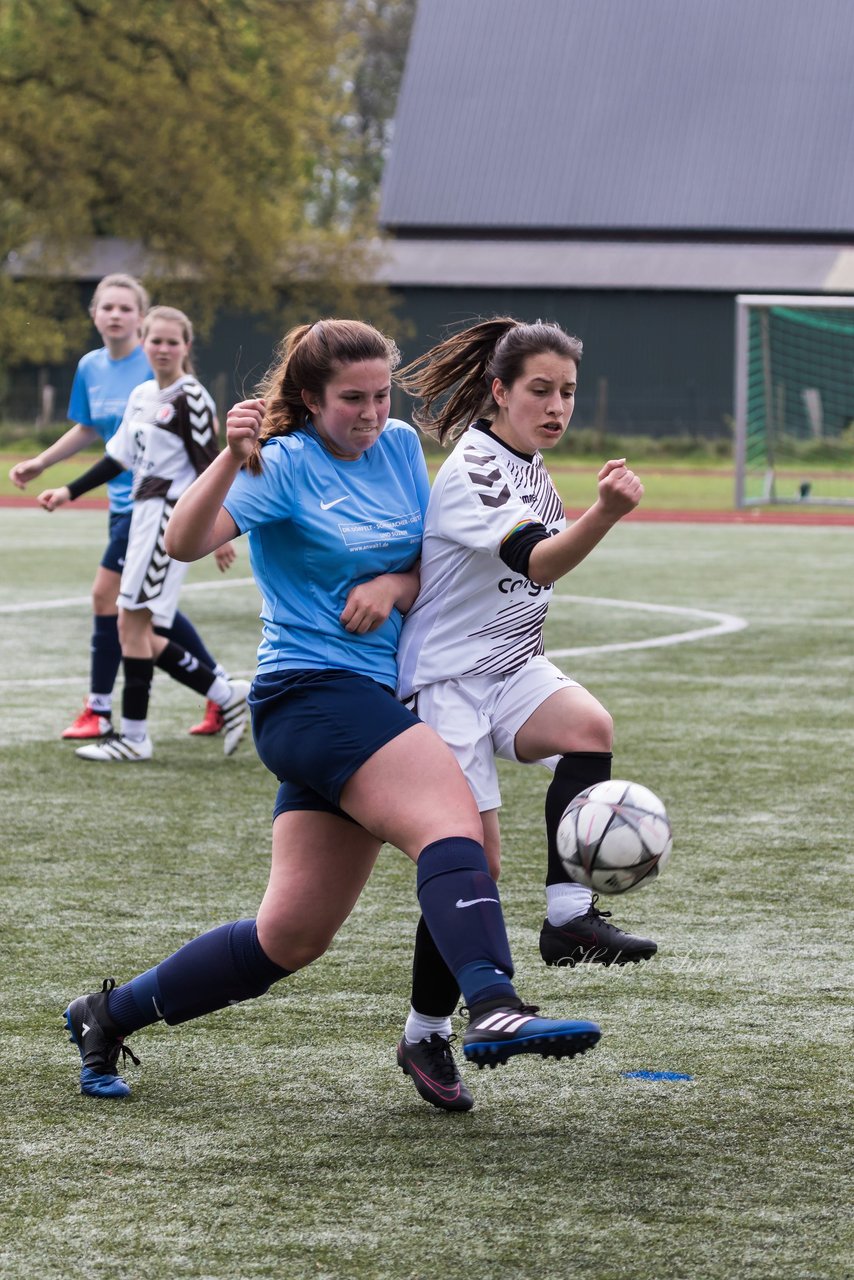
pixel 614 836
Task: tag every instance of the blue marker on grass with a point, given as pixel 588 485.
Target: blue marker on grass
pixel 656 1075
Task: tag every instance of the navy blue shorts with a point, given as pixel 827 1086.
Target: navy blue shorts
pixel 314 729
pixel 119 532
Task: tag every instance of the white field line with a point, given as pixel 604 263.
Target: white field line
pixel 722 624
pixel 84 602
pixel 71 602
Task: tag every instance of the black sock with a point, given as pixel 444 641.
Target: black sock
pixel 575 771
pixel 139 672
pixel 183 667
pixel 435 990
pixel 187 637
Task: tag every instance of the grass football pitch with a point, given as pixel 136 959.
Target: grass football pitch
pixel 278 1138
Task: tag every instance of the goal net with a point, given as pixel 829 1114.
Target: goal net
pixel 794 398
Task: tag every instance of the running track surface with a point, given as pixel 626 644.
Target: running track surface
pixel 751 515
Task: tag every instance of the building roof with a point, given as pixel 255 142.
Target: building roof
pixel 623 116
pixel 613 264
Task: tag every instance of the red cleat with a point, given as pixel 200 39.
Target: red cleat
pixel 89 724
pixel 210 723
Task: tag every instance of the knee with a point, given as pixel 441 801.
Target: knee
pixel 135 627
pixel 289 948
pixel 492 843
pixel 300 952
pixel 601 730
pixel 591 728
pixel 103 602
pixel 127 631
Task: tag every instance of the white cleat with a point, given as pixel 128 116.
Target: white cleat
pixel 118 750
pixel 235 715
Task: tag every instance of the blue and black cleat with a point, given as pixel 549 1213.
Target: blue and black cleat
pixel 498 1032
pixel 92 1029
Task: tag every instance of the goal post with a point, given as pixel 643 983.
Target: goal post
pixel 794 395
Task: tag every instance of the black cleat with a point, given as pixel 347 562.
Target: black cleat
pixel 100 1043
pixel 499 1032
pixel 430 1066
pixel 592 939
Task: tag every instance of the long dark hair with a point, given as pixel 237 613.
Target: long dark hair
pixel 453 380
pixel 307 359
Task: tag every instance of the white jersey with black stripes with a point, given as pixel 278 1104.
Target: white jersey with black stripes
pixel 166 438
pixel 474 616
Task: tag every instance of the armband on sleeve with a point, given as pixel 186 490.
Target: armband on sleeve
pixel 105 469
pixel 516 548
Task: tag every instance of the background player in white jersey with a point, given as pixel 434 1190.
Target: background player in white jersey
pixel 167 437
pixel 332 495
pixel 471 657
pixel 102 384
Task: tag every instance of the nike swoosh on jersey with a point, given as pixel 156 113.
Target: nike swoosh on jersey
pixel 473 901
pixel 324 506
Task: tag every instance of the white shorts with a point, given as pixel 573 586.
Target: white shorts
pixel 480 716
pixel 150 578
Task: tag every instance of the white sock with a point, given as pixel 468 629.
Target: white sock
pixel 219 692
pixel 136 730
pixel 567 901
pixel 219 670
pixel 100 703
pixel 421 1027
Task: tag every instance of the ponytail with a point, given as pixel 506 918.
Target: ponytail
pixel 453 380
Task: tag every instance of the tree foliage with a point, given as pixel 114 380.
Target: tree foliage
pixel 384 28
pixel 205 131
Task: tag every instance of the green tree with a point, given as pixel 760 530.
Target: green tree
pixel 384 28
pixel 375 38
pixel 202 130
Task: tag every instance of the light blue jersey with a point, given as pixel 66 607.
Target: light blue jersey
pixel 99 395
pixel 318 526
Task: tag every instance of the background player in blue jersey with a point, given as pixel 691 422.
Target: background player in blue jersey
pixel 472 655
pixel 331 494
pixel 167 437
pixel 102 384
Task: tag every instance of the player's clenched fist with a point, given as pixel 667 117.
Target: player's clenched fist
pixel 242 427
pixel 50 499
pixel 23 472
pixel 620 490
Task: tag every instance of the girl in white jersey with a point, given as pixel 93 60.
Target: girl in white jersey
pixel 166 438
pixel 471 658
pixel 331 494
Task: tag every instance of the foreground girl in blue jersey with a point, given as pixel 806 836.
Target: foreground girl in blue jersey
pixel 332 496
pixel 472 657
pixel 102 385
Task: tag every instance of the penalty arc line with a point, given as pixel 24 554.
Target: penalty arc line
pixel 723 624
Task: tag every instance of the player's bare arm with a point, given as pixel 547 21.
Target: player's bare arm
pixel 76 438
pixel 200 524
pixel 620 491
pixel 370 603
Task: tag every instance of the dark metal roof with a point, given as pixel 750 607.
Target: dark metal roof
pixel 626 115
